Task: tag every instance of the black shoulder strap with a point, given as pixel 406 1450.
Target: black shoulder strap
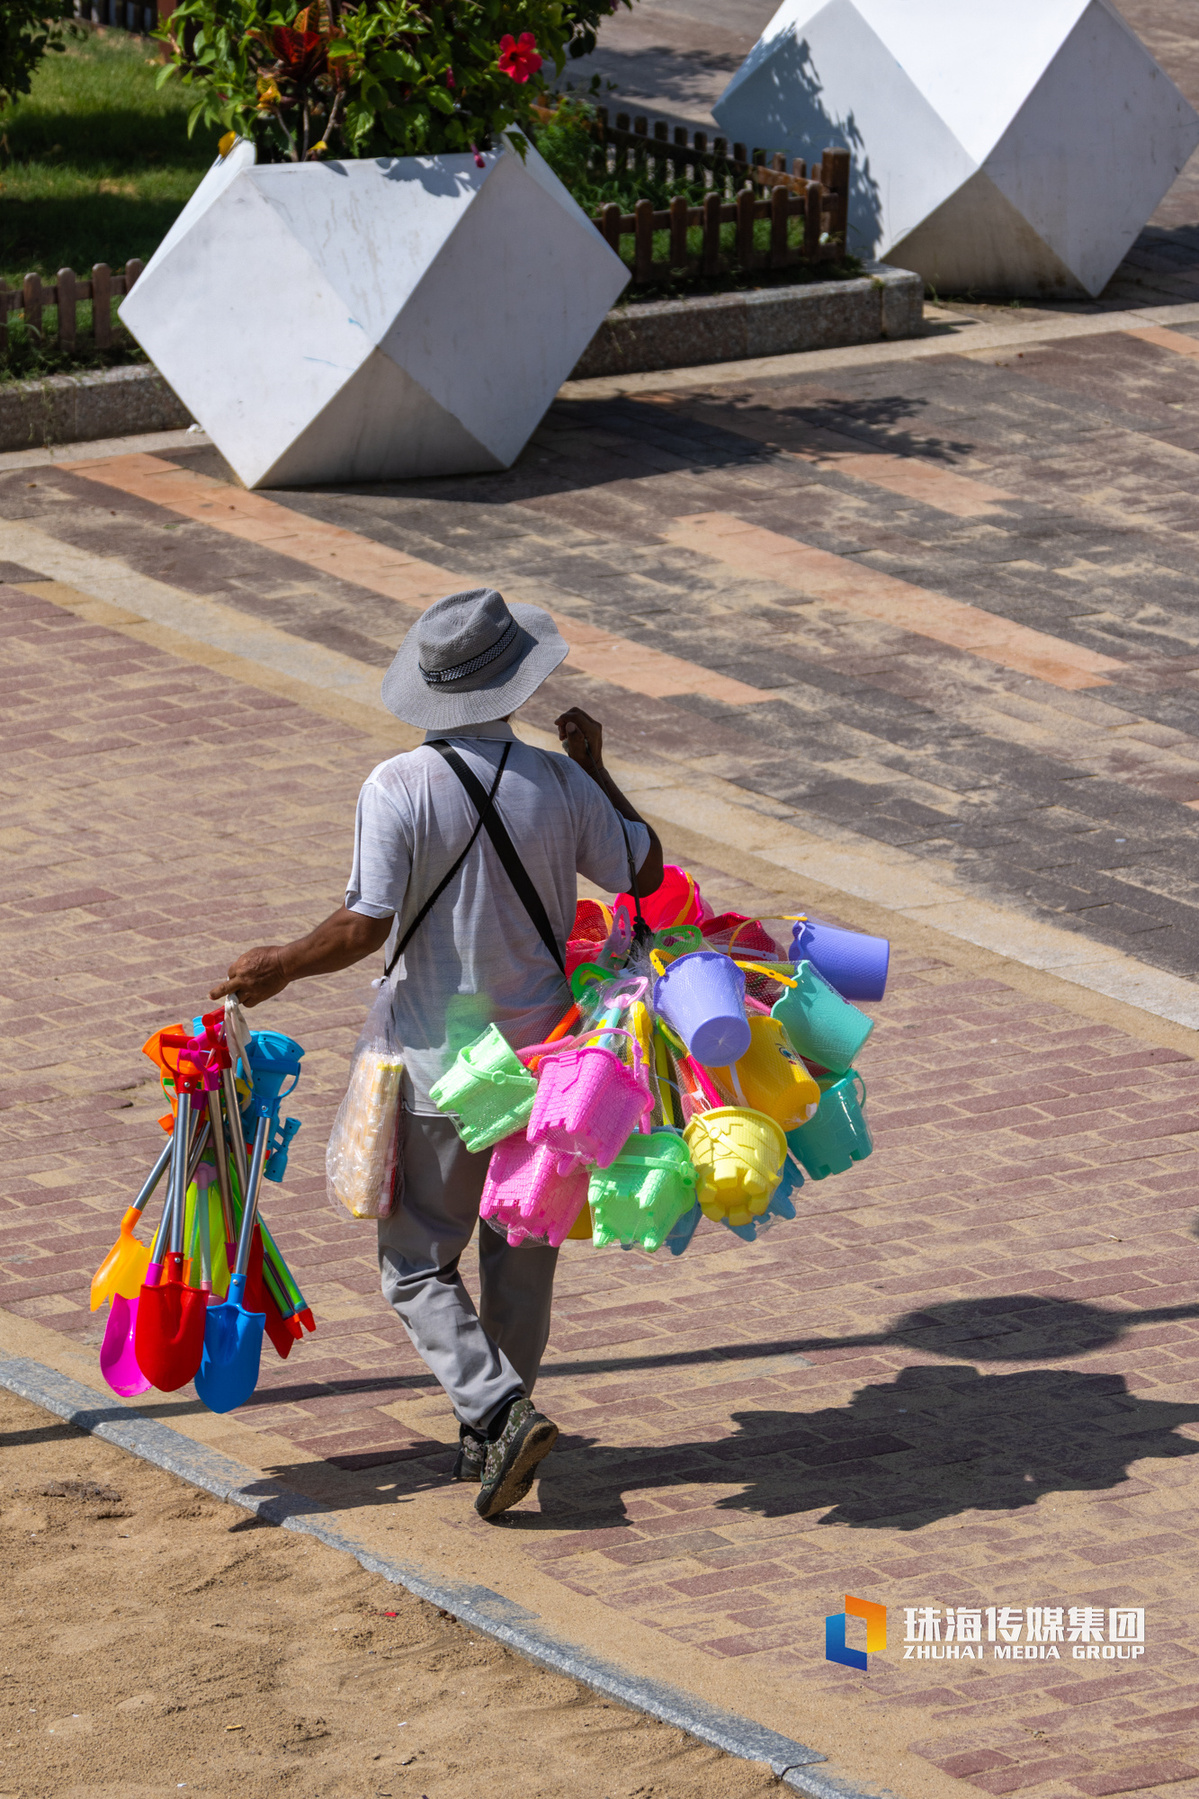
pixel 504 847
pixel 484 809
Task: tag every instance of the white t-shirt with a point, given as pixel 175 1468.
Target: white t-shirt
pixel 477 957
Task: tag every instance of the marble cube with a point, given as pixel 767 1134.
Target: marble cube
pixel 376 319
pixel 999 146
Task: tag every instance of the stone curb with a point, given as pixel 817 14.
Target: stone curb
pixel 772 321
pixel 485 1611
pixel 662 334
pixel 67 409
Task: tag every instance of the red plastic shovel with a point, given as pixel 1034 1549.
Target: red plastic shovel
pixel 169 1329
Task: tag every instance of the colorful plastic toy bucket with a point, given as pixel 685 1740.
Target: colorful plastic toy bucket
pixel 702 999
pixel 854 964
pixel 676 901
pixel 647 1189
pixel 532 1191
pixel 770 1077
pixel 587 1103
pixel 738 1157
pixel 486 1090
pixel 839 1135
pixel 820 1024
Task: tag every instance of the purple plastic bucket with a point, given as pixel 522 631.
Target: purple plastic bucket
pixel 702 999
pixel 854 964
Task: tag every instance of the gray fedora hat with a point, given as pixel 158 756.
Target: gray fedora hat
pixel 471 658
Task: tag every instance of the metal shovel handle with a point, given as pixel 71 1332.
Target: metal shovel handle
pixel 261 1139
pixel 155 1175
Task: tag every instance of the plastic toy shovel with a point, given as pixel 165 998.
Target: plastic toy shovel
pixel 228 1372
pixel 118 1354
pixel 169 1331
pixel 124 1267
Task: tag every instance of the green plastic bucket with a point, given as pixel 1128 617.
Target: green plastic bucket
pixel 486 1090
pixel 821 1025
pixel 838 1135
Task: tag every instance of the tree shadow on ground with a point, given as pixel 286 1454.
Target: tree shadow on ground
pixel 931 1444
pixel 1010 1327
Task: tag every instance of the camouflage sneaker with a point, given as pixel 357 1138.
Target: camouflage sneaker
pixel 472 1454
pixel 512 1459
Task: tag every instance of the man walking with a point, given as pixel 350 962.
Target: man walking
pixel 466 852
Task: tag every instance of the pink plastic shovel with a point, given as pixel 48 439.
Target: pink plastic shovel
pixel 118 1363
pixel 118 1360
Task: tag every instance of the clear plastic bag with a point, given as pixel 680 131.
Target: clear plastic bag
pixel 364 1144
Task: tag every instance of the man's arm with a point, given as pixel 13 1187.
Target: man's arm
pixel 343 938
pixel 584 740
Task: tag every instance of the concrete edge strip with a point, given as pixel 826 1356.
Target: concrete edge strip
pixel 486 1611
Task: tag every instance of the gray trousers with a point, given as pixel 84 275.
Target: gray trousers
pixel 481 1358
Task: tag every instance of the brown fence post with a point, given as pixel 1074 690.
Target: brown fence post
pixel 680 158
pixel 836 167
pixel 678 232
pixel 711 254
pixel 33 302
pixel 133 272
pixel 745 227
pixel 66 308
pixel 102 305
pixel 780 208
pixel 813 220
pixel 643 241
pixel 661 135
pixel 611 226
pixel 799 167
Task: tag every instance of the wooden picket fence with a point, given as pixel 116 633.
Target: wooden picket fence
pixel 742 189
pixel 103 288
pixel 126 15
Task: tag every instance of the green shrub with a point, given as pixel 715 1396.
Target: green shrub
pixel 28 29
pixel 373 77
pixel 569 142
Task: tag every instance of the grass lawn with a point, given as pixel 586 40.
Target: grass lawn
pixel 95 163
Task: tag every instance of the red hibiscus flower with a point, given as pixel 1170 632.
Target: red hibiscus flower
pixel 518 56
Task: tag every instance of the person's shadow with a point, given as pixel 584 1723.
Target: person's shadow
pixel 931 1443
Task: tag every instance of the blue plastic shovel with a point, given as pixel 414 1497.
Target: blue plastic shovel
pixel 228 1372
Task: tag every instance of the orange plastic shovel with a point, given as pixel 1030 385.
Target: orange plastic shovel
pixel 124 1267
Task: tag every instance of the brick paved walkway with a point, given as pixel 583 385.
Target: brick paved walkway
pixel 961 1378
pixel 957 528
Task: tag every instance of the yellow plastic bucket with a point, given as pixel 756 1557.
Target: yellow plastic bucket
pixel 738 1156
pixel 770 1077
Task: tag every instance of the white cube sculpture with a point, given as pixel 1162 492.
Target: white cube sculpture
pixel 373 320
pixel 1001 146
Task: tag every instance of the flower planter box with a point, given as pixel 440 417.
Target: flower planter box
pixel 373 320
pixel 770 321
pixel 887 303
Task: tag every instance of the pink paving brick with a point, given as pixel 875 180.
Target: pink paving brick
pixel 981 1414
